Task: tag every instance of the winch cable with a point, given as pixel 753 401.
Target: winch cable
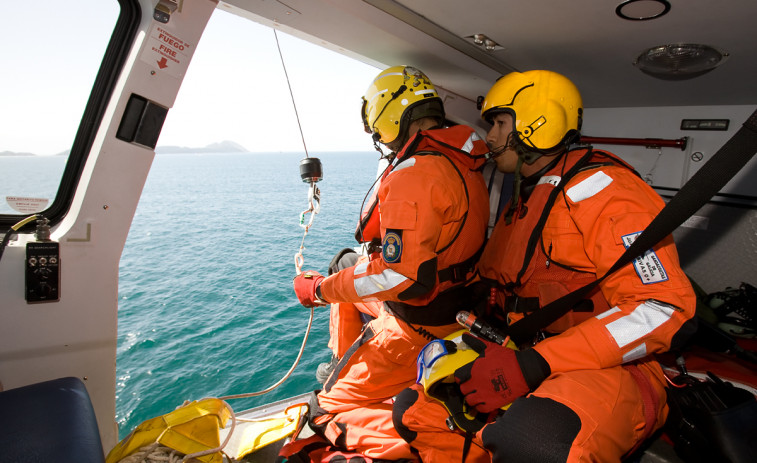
pixel 311 174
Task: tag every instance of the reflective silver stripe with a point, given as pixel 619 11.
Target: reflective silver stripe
pixel 589 187
pixel 607 313
pixel 636 353
pixel 468 145
pixel 408 163
pixel 372 284
pixel 425 92
pixel 378 94
pixel 645 318
pixel 360 268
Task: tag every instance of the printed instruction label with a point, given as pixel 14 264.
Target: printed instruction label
pixel 166 51
pixel 26 205
pixel 648 265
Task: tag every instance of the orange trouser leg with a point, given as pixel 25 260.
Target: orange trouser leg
pixel 579 416
pixel 345 324
pixel 358 395
pixel 600 415
pixel 369 431
pixel 422 422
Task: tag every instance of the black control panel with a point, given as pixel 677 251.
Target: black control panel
pixel 42 272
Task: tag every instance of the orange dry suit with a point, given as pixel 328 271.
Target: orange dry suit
pixel 432 212
pixel 605 392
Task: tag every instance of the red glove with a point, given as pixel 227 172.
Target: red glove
pixel 496 377
pixel 305 286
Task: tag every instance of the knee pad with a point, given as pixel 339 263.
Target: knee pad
pixel 532 429
pixel 402 403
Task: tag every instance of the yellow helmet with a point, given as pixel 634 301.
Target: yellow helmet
pixel 396 97
pixel 440 358
pixel 546 107
pixel 437 364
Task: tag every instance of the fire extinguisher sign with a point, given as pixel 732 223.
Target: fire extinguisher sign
pixel 167 52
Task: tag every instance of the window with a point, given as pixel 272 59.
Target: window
pixel 51 53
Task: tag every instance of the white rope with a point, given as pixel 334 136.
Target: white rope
pixel 225 441
pixel 153 453
pixel 156 452
pixel 288 373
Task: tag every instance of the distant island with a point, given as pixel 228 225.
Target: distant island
pixel 225 146
pixel 11 153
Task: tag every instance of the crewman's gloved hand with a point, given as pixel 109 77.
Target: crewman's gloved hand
pixel 499 375
pixel 305 286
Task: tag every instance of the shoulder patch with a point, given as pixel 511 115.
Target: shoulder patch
pixel 391 247
pixel 648 266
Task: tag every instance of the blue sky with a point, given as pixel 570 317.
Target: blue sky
pixel 235 87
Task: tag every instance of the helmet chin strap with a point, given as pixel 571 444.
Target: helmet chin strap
pixel 497 152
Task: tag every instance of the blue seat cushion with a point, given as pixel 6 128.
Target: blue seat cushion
pixel 49 421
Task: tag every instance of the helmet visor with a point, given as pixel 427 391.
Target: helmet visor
pixel 430 353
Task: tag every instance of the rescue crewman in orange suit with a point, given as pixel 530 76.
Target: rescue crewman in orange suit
pixel 430 219
pixel 587 389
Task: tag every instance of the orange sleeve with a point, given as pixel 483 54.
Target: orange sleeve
pixel 418 204
pixel 650 298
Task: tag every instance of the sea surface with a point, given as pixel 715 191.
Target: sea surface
pixel 206 305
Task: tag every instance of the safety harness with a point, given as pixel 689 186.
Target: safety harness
pixel 702 186
pixel 441 311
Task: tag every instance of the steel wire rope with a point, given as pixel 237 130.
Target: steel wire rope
pixel 153 451
pixel 160 453
pixel 315 211
pixel 313 194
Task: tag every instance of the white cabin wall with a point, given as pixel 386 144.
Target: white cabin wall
pixel 77 335
pixel 674 166
pixel 718 245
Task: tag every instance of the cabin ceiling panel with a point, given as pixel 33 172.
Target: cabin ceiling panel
pixel 582 39
pixel 585 40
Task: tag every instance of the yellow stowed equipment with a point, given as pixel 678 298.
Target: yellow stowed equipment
pixel 195 430
pixel 437 364
pixel 189 429
pixel 252 435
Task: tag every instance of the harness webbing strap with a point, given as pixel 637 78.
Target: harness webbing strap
pixel 705 183
pixel 536 234
pixel 650 400
pixel 459 271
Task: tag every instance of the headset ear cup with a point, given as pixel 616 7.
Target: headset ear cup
pixel 364 116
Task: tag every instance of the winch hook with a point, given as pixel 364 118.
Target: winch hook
pixel 311 171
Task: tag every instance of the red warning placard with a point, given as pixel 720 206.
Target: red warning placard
pixel 166 51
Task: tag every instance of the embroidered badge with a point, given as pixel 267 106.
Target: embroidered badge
pixel 391 248
pixel 648 266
